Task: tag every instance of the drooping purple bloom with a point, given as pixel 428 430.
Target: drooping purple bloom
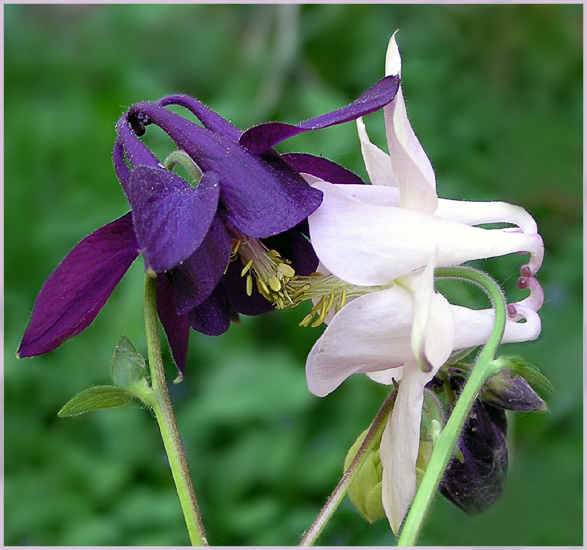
pixel 250 203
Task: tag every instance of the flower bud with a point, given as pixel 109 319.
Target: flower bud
pixel 510 391
pixel 475 476
pixel 365 489
pixel 432 422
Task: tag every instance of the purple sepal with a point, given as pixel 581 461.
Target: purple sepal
pixel 321 168
pixel 263 137
pixel 478 481
pixel 210 119
pixel 171 218
pixel 176 327
pixel 214 314
pixel 195 279
pixel 77 290
pixel 261 197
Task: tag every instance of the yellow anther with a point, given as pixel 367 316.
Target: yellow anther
pixel 262 287
pixel 286 270
pixel 306 320
pixel 249 284
pixel 246 268
pixel 274 283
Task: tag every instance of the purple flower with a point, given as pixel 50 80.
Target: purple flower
pixel 249 203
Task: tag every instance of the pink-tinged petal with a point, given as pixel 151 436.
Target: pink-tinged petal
pixel 171 218
pixel 371 333
pixel 195 278
pixel 211 120
pixel 400 443
pixel 365 244
pixel 433 328
pixel 377 162
pixel 77 290
pixel 321 168
pixel 410 164
pixel 260 139
pixel 177 327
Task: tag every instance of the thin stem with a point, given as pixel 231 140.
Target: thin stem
pixel 449 436
pixel 373 435
pixel 166 419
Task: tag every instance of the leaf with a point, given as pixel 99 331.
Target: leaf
pixel 95 398
pixel 128 366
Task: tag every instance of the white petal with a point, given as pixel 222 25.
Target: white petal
pixel 410 164
pixel 393 60
pixel 370 334
pixel 475 213
pixel 400 443
pixel 368 245
pixel 473 327
pixel 377 195
pixel 433 329
pixel 386 377
pixel 377 162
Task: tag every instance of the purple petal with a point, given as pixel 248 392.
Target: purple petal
pixel 177 327
pixel 235 287
pixel 137 153
pixel 321 168
pixel 171 218
pixel 195 279
pixel 259 139
pixel 213 315
pixel 262 196
pixel 210 119
pixel 77 290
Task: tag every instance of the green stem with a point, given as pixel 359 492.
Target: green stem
pixel 372 437
pixel 449 436
pixel 161 404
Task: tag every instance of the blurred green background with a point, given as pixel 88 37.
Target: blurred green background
pixel 495 96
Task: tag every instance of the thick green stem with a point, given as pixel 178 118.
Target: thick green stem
pixel 449 436
pixel 161 404
pixel 373 435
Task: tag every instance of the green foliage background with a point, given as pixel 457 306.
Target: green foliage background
pixel 495 96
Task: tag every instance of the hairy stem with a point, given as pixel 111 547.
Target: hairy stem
pixel 373 435
pixel 161 404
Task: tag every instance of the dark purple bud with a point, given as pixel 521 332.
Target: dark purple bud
pixel 475 476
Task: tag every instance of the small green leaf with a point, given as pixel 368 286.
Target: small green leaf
pixel 128 366
pixel 95 398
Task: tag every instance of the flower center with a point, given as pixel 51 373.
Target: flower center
pixel 271 272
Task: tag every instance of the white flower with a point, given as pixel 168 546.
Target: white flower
pixel 393 234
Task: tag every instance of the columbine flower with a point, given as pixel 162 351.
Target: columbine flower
pixel 384 241
pixel 244 192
